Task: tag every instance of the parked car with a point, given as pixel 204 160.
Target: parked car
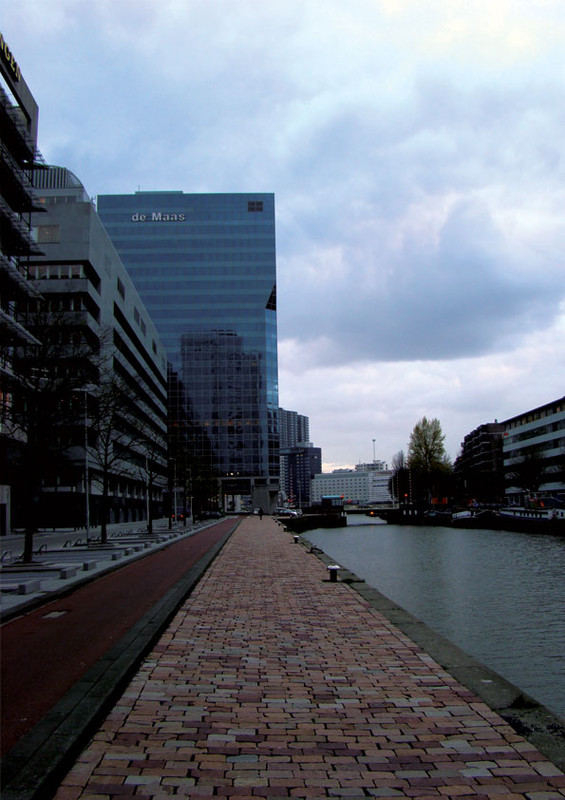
pixel 211 515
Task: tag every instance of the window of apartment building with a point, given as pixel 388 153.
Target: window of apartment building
pixel 39 272
pixel 56 271
pixel 255 205
pixel 46 234
pixel 121 289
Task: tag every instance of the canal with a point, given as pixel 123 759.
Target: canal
pixel 499 596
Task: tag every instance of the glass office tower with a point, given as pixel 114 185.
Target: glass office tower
pixel 205 268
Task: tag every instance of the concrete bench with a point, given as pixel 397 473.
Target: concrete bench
pixel 29 587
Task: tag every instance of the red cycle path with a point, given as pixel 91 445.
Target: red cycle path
pixel 44 652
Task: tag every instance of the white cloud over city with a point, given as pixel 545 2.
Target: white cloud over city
pixel 415 148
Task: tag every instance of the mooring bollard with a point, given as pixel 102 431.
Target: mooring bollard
pixel 296 539
pixel 332 569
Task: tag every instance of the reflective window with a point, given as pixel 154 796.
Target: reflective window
pixel 205 269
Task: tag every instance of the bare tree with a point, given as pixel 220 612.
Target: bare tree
pixel 113 435
pixel 151 461
pixel 399 484
pixel 528 473
pixel 42 414
pixel 399 461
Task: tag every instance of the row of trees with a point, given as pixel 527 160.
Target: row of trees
pixel 81 418
pixel 76 395
pixel 426 474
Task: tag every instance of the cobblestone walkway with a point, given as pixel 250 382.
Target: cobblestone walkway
pixel 273 682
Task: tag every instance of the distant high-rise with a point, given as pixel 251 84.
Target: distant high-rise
pixel 205 268
pixel 294 434
pixel 294 428
pixel 299 464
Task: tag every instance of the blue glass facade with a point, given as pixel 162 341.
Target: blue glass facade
pixel 205 268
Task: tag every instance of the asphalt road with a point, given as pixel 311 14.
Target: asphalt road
pixel 46 651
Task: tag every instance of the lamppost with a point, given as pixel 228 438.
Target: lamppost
pixel 175 491
pixel 86 390
pixel 147 492
pixel 86 481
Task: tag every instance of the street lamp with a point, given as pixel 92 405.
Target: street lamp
pixel 147 491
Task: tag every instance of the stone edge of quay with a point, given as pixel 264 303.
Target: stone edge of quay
pixel 527 716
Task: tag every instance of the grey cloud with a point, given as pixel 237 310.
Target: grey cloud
pixel 466 296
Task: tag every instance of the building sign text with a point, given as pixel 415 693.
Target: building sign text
pixel 158 216
pixel 9 60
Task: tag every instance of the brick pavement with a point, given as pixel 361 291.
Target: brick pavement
pixel 274 682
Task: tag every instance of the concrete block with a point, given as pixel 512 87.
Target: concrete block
pixel 29 587
pixel 67 572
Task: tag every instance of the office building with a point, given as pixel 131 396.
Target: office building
pixel 478 469
pixel 18 157
pixel 532 450
pixel 103 362
pixel 204 266
pixel 367 484
pixel 294 430
pixel 301 463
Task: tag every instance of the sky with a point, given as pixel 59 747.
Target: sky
pixel 416 153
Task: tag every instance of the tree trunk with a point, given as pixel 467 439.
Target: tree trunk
pixel 28 547
pixel 104 510
pixel 32 495
pixel 149 510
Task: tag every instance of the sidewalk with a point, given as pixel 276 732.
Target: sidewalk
pixel 272 681
pixel 60 565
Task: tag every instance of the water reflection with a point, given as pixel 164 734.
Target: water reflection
pixel 500 596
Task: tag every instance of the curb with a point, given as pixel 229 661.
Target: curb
pixel 33 769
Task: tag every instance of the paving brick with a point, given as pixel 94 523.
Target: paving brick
pixel 272 682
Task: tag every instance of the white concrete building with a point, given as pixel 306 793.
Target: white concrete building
pixel 533 448
pixel 360 486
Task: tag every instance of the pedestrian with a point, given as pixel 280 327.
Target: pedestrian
pixel 260 513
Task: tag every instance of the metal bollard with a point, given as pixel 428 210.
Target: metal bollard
pixel 296 539
pixel 332 569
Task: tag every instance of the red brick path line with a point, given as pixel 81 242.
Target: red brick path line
pixel 273 682
pixel 42 657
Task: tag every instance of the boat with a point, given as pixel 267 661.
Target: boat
pixel 531 520
pixel 511 518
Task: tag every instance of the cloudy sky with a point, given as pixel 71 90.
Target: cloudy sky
pixel 416 151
